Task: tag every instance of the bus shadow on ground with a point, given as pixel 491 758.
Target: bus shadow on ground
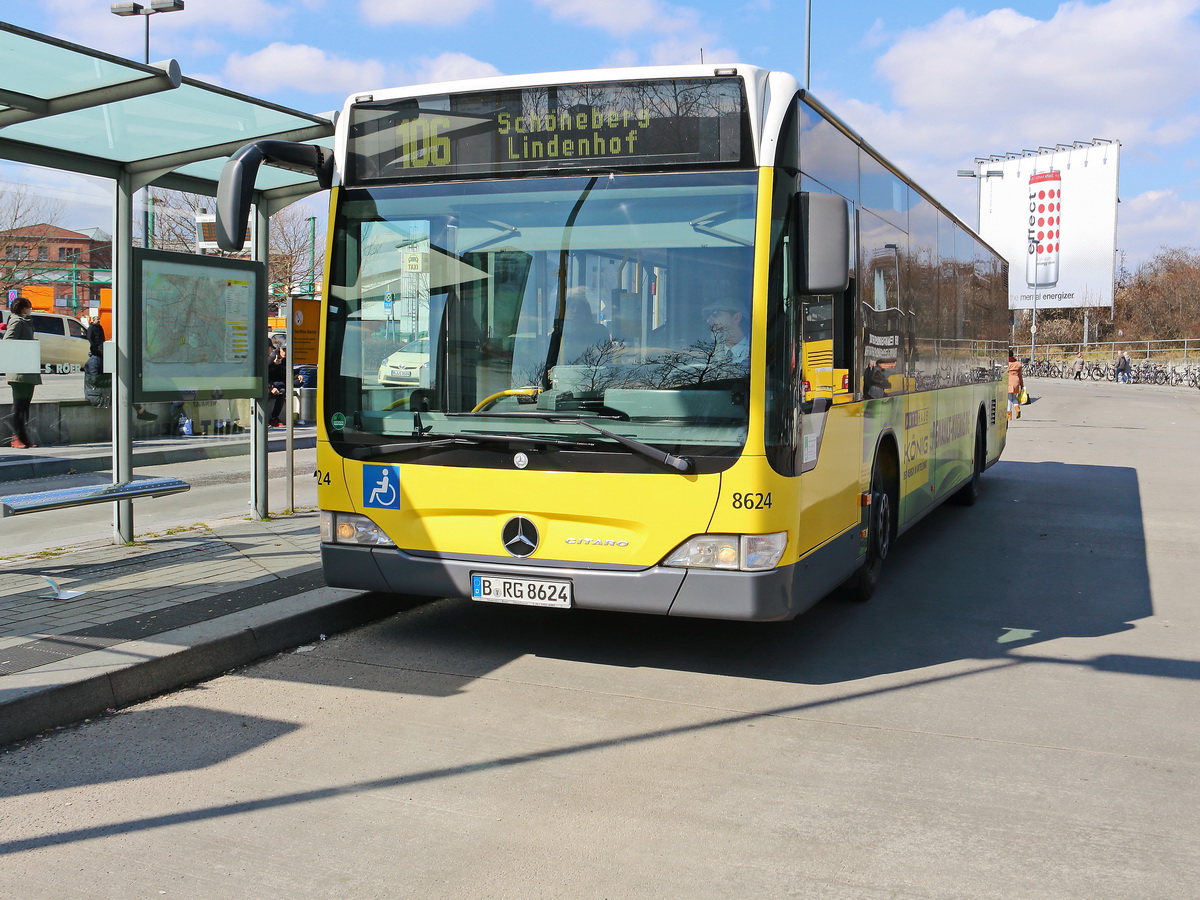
pixel 1050 551
pixel 151 741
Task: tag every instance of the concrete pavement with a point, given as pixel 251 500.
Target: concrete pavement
pixel 1012 716
pixel 180 607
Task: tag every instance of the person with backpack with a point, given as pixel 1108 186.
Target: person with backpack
pixel 97 384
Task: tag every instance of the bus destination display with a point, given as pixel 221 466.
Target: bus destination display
pixel 623 124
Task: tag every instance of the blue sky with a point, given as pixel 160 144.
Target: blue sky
pixel 931 84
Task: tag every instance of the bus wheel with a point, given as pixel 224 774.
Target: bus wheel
pixel 969 492
pixel 862 584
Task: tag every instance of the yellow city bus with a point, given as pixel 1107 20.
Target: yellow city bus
pixel 681 342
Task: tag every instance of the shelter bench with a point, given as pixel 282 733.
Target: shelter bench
pixel 63 498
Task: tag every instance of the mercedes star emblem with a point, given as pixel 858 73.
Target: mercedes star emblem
pixel 520 536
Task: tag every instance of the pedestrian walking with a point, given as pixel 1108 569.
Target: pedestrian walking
pixel 1123 367
pixel 1016 384
pixel 1077 366
pixel 20 328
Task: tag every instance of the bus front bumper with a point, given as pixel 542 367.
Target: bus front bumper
pixel 778 594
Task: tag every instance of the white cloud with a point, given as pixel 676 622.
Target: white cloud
pixel 86 201
pixel 671 34
pixel 1153 220
pixel 91 23
pixel 618 17
pixel 451 67
pixel 300 67
pixel 420 12
pixel 973 85
pixel 1122 69
pixel 213 78
pixel 625 18
pixel 687 50
pixel 877 35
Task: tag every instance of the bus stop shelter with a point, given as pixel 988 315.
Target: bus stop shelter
pixel 68 107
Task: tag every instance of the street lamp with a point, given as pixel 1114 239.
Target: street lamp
pixel 137 9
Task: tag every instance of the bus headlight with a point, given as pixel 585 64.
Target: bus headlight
pixel 349 528
pixel 736 552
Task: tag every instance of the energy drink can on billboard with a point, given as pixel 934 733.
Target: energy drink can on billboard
pixel 1045 229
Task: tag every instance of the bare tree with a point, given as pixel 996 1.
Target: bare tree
pixel 297 254
pixel 1161 300
pixel 27 223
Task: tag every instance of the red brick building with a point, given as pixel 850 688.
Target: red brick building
pixel 55 267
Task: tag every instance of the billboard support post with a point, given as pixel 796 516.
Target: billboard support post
pixel 1033 330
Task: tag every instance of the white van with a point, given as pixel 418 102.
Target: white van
pixel 63 339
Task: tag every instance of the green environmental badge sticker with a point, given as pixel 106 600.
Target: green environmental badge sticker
pixel 338 421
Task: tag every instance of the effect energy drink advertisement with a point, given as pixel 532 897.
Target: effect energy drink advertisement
pixel 1045 229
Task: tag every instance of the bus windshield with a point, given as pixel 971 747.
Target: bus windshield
pixel 516 308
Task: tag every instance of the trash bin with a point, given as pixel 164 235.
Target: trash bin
pixel 306 391
pixel 308 406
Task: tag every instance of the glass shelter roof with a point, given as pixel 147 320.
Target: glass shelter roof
pixel 70 107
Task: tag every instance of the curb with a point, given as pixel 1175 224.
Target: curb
pixel 65 692
pixel 48 466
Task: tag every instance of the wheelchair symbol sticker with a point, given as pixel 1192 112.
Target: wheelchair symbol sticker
pixel 381 487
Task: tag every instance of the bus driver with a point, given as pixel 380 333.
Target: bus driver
pixel 730 327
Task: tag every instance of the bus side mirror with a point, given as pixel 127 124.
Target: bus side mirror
pixel 236 187
pixel 823 242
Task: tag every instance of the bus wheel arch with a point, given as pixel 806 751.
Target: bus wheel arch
pixel 881 520
pixel 969 492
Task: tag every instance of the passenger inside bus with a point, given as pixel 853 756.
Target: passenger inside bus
pixel 875 381
pixel 582 334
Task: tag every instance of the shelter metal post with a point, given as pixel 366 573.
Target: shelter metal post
pixel 258 431
pixel 121 362
pixel 289 418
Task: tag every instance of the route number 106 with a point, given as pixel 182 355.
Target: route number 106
pixel 421 142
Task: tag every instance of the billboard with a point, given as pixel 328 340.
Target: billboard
pixel 1053 215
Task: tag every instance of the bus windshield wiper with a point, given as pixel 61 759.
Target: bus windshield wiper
pixel 387 449
pixel 708 225
pixel 682 464
pixel 468 439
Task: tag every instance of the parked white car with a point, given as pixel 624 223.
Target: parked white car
pixel 63 339
pixel 407 367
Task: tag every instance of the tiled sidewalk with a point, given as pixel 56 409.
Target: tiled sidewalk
pixel 115 583
pixel 162 604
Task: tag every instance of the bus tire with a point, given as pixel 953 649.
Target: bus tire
pixel 880 530
pixel 968 494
